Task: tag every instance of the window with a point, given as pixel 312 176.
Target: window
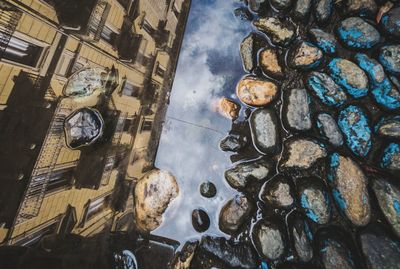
pixel 131 90
pixel 160 71
pixel 175 10
pixel 60 179
pixel 23 52
pixel 97 206
pixel 128 125
pixel 108 35
pixel 146 125
pixel 147 27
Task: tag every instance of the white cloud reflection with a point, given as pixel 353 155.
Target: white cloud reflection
pixel 209 67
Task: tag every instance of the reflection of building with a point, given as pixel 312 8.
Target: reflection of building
pixel 47 187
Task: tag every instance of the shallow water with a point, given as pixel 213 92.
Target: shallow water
pixel 209 68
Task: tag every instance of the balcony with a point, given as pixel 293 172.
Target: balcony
pixel 128 42
pixel 85 18
pixel 9 18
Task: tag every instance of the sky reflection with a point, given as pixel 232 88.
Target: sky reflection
pixel 209 67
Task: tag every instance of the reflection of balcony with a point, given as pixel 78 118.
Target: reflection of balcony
pixel 161 35
pixel 9 18
pixel 128 43
pixel 84 17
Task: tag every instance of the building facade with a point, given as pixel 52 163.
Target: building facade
pixel 47 45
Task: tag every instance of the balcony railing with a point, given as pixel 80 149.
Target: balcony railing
pixel 9 18
pixel 128 43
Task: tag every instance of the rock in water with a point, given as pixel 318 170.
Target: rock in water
pixel 243 13
pixel 391 22
pixel 255 5
pixel 233 142
pixel 234 213
pixel 389 57
pixel 256 92
pixel 354 124
pixel 380 251
pixel 200 220
pixel 361 7
pixel 264 130
pixel 297 110
pixel 153 193
pixel 239 176
pixel 323 10
pixel 335 254
pixel 269 63
pixel 279 31
pixel 208 189
pixel 349 188
pixel 301 236
pixel 326 89
pixel 302 9
pixel 384 92
pixel 314 199
pixel 269 239
pixel 325 41
pixel 248 50
pixel 329 129
pixel 389 127
pixel 305 56
pixel 235 255
pixel 281 4
pixel 357 33
pixel 228 108
pixel 277 192
pixel 391 158
pixel 349 76
pixel 301 153
pixel 388 196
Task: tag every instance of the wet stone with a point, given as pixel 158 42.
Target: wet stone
pixel 200 220
pixel 235 255
pixel 348 75
pixel 302 9
pixel 264 130
pixel 323 10
pixel 389 57
pixel 389 127
pixel 325 41
pixel 233 142
pixel 314 200
pixel 335 254
pixel 297 110
pixel 269 63
pixel 353 122
pixel 384 92
pixel 301 153
pixel 228 108
pixel 243 14
pixel 391 158
pixel 329 129
pixel 305 56
pixel 234 213
pixel 255 5
pixel 361 7
pixel 239 176
pixel 388 196
pixel 357 33
pixel 349 189
pixel 153 193
pixel 302 238
pixel 256 92
pixel 380 251
pixel 326 89
pixel 248 51
pixel 277 192
pixel 269 240
pixel 280 32
pixel 83 127
pixel 281 4
pixel 208 189
pixel 391 22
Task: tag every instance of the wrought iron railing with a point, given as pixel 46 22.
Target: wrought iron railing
pixel 9 18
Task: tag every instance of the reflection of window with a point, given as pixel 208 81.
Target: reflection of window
pixel 159 70
pixel 128 125
pixel 175 10
pixel 146 125
pixel 60 179
pixel 108 35
pixel 147 27
pixel 23 52
pixel 64 64
pixel 130 90
pixel 95 207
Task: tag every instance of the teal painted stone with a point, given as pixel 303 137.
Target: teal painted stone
pixel 357 33
pixel 391 158
pixel 325 41
pixel 391 21
pixel 389 57
pixel 323 86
